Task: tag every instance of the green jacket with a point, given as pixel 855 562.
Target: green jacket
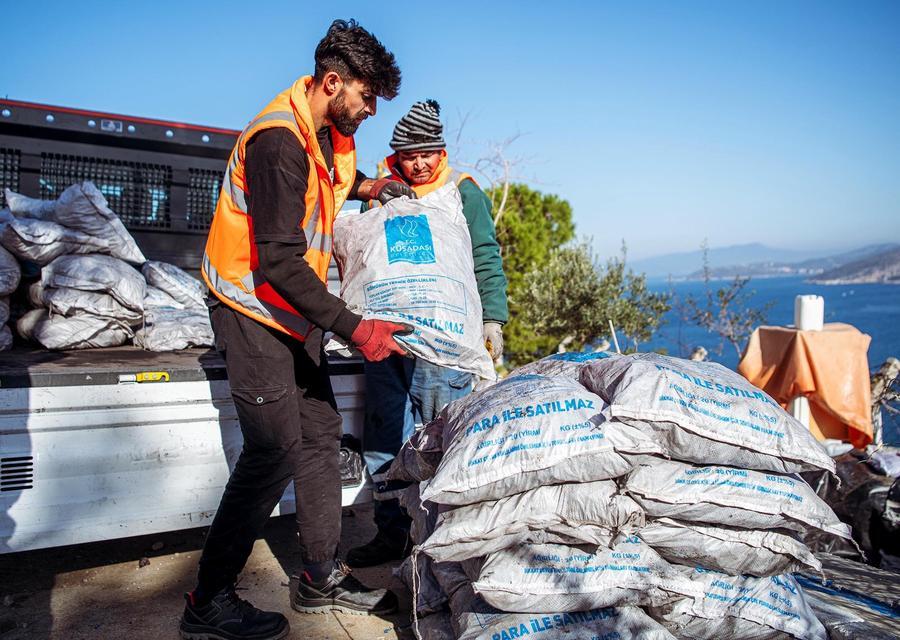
pixel 485 252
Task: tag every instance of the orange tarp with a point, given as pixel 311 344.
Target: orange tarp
pixel 829 367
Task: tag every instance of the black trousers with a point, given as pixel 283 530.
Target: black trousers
pixel 292 431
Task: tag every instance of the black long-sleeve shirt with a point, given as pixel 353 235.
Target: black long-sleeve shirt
pixel 276 171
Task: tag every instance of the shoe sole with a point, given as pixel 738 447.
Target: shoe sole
pixel 188 634
pixel 325 606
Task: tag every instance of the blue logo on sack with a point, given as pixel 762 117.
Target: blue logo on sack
pixel 409 240
pixel 579 356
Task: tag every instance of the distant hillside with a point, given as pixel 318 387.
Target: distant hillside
pixel 883 267
pixel 841 259
pixel 781 268
pixel 685 263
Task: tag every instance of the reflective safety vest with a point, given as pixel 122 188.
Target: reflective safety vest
pixel 443 174
pixel 230 262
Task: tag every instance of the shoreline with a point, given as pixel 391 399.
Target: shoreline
pixel 827 283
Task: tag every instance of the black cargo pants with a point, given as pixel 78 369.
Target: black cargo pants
pixel 292 431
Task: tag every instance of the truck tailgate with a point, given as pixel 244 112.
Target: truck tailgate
pixel 108 443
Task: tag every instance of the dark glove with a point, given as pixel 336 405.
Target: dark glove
pixel 375 338
pixel 386 189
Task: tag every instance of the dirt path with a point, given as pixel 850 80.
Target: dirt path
pixel 100 591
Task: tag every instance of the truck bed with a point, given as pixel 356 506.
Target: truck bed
pixel 91 450
pixel 30 367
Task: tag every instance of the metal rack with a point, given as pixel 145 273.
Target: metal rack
pixel 161 177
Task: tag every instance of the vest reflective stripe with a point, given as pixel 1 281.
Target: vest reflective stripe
pixel 230 261
pixel 233 161
pixel 252 280
pixel 297 324
pixel 316 239
pixel 251 128
pixel 268 117
pixel 237 195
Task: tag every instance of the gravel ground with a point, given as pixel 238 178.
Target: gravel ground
pixel 133 588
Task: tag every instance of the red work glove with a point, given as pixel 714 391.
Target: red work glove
pixel 375 338
pixel 386 189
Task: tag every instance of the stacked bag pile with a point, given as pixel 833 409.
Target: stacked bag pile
pixel 96 288
pixel 10 274
pixel 175 314
pixel 595 494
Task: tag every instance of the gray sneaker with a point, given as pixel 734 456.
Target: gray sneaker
pixel 340 591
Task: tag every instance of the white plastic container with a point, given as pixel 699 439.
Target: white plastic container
pixel 809 315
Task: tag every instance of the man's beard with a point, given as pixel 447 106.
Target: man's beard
pixel 345 122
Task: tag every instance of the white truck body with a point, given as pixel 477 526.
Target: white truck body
pixel 88 454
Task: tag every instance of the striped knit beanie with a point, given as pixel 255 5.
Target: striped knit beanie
pixel 420 129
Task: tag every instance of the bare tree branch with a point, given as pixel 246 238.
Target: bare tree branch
pixel 492 164
pixel 728 311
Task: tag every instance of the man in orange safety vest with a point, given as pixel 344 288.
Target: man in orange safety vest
pixel 266 265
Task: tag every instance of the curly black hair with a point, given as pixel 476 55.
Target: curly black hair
pixel 355 54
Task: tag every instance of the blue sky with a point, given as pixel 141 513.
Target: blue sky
pixel 662 123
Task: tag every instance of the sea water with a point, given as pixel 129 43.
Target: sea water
pixel 874 309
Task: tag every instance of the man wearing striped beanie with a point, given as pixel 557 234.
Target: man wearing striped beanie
pixel 400 391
